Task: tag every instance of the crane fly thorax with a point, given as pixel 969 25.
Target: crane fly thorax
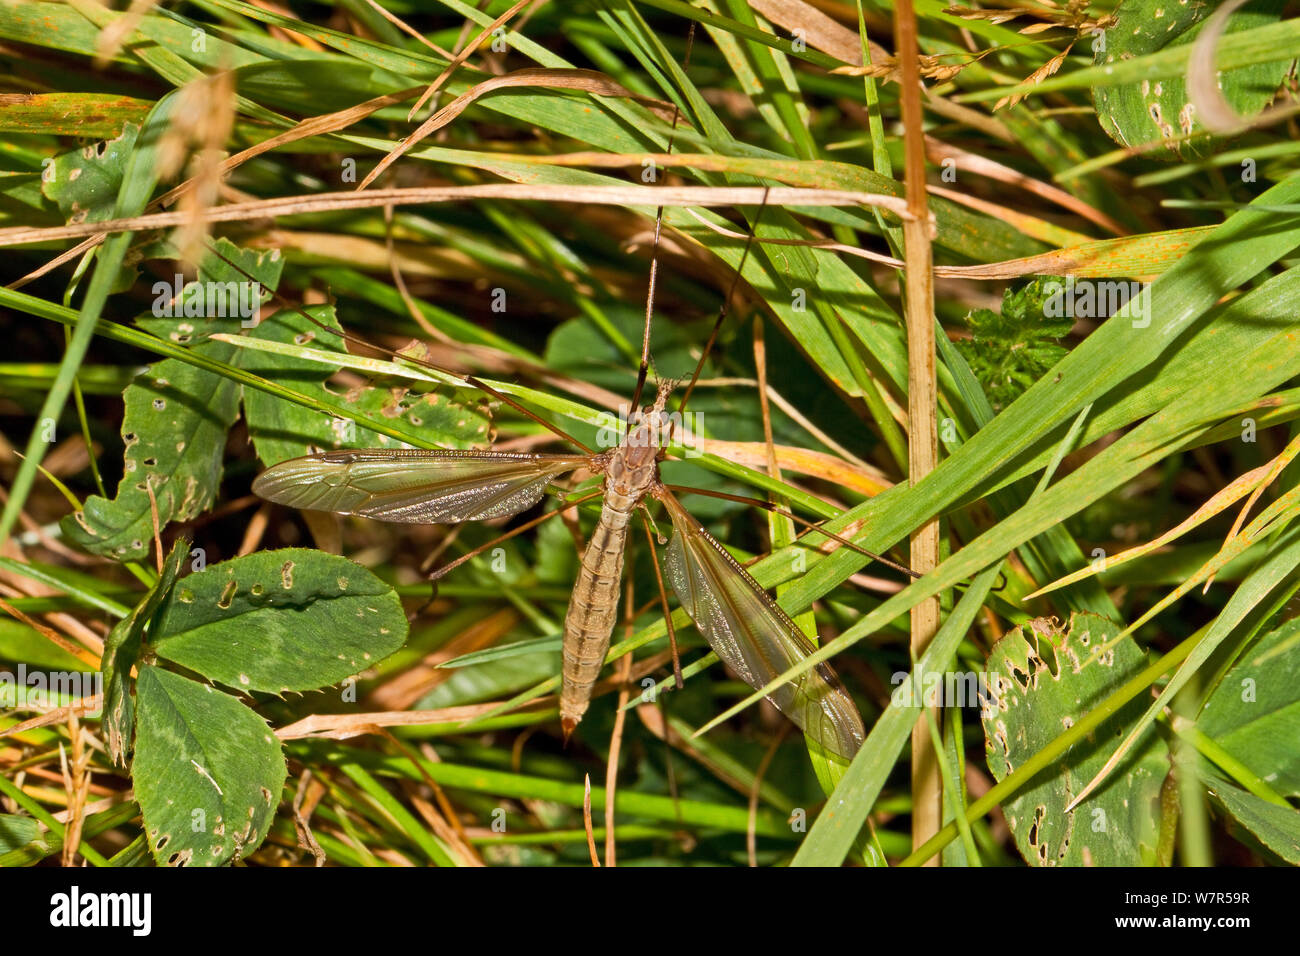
pixel 632 469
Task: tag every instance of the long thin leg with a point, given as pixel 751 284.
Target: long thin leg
pixel 527 525
pixel 663 596
pixel 815 528
pixel 726 302
pixel 812 526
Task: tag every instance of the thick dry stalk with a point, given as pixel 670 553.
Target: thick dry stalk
pixel 927 785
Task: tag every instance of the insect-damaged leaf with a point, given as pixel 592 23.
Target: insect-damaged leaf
pixel 85 181
pixel 1159 110
pixel 177 416
pixel 208 772
pixel 282 429
pixel 275 621
pixel 122 650
pixel 1254 713
pixel 1042 679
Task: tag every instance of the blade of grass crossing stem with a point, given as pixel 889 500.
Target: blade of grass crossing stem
pixel 833 834
pixel 1107 358
pixel 1276 356
pixel 14 793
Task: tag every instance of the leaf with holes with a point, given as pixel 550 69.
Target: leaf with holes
pixel 221 298
pixel 1275 827
pixel 282 429
pixel 85 181
pixel 208 772
pixel 176 420
pixel 1041 680
pixel 276 621
pixel 122 650
pixel 1254 713
pixel 1159 110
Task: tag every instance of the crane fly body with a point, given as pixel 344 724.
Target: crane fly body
pixel 740 621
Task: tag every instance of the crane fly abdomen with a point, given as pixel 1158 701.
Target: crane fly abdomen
pixel 593 608
pixel 631 472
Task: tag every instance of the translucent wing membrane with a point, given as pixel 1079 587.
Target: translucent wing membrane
pixel 747 629
pixel 414 486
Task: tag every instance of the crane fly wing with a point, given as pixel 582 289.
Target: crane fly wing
pixel 414 486
pixel 750 632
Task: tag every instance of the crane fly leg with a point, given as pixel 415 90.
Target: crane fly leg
pixel 663 597
pixel 810 526
pixel 526 526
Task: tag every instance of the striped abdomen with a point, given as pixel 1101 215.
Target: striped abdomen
pixel 593 609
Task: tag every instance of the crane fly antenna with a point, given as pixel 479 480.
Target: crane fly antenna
pixel 357 340
pixel 654 246
pixel 722 310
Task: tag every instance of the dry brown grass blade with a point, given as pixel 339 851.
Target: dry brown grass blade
pixel 586 81
pixel 302 810
pixel 86 705
pixel 818 29
pixel 616 736
pixel 586 819
pixel 203 121
pixel 751 826
pixel 623 195
pixel 1092 258
pixel 291 36
pixel 1031 226
pixel 1274 467
pixel 938 151
pixel 52 635
pixel 315 126
pixel 111 38
pixel 343 726
pixel 652 719
pixel 804 461
pixel 415 681
pixel 406 28
pixel 76 781
pixel 457 59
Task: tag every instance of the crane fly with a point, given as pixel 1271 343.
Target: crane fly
pixel 740 621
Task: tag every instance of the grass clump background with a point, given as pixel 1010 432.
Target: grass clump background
pixel 1102 491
